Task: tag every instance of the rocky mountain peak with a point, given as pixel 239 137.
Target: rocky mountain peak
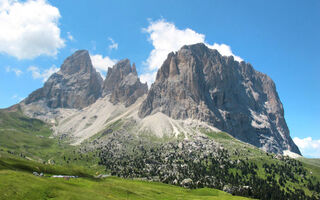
pixel 123 84
pixel 79 62
pixel 134 69
pixel 197 82
pixel 75 85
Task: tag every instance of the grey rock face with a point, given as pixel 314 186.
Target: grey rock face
pixel 123 84
pixel 197 82
pixel 75 85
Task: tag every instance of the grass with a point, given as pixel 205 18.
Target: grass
pixel 21 185
pixel 17 182
pixel 235 147
pixel 23 134
pixel 30 138
pixel 12 162
pixel 313 165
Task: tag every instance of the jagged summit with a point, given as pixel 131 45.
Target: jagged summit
pixel 194 83
pixel 123 83
pixel 79 62
pixel 197 82
pixel 75 85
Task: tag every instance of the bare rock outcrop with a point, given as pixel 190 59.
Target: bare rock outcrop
pixel 123 84
pixel 75 85
pixel 197 82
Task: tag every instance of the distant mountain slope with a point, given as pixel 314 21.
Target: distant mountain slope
pixel 197 82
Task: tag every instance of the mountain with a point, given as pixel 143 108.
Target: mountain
pixel 77 102
pixel 199 126
pixel 123 83
pixel 197 82
pixel 75 85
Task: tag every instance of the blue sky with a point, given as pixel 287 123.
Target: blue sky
pixel 279 38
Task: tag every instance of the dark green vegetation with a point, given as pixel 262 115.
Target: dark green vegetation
pixel 17 182
pixel 238 168
pixel 216 160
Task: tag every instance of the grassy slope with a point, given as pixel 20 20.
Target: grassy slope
pixel 30 138
pixel 313 165
pixel 17 182
pixel 241 150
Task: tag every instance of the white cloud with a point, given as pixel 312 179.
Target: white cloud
pixel 70 37
pixel 42 74
pixel 18 72
pixel 148 78
pixel 29 29
pixel 113 44
pixel 308 146
pixel 166 37
pixel 224 50
pixel 102 63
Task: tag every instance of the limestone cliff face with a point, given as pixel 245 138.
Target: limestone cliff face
pixel 197 82
pixel 123 84
pixel 75 85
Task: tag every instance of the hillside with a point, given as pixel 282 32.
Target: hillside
pixel 18 182
pixel 245 163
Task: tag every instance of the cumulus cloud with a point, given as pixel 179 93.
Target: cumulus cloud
pixel 29 29
pixel 18 72
pixel 42 74
pixel 224 50
pixel 148 78
pixel 308 146
pixel 113 44
pixel 102 63
pixel 166 37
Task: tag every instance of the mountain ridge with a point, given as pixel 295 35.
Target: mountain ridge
pixel 196 82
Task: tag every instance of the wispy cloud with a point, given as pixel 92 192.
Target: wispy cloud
pixel 17 98
pixel 29 29
pixel 308 146
pixel 93 45
pixel 113 44
pixel 18 72
pixel 166 37
pixel 42 74
pixel 70 37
